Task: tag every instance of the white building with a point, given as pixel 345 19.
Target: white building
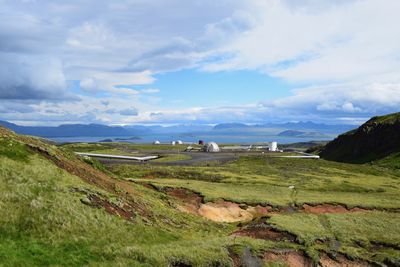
pixel 273 146
pixel 173 143
pixel 156 142
pixel 179 142
pixel 211 147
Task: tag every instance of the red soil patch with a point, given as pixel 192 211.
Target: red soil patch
pixel 290 258
pixel 262 230
pixel 260 211
pixel 265 233
pixel 190 201
pixel 329 208
pixel 185 195
pixel 340 261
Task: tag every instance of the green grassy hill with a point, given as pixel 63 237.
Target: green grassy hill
pixel 57 210
pixel 60 210
pixel 374 140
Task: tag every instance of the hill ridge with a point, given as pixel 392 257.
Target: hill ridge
pixel 377 138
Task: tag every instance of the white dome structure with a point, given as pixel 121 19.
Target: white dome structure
pixel 211 147
pixel 179 142
pixel 156 142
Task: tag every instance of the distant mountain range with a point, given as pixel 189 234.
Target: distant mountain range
pixel 295 133
pixel 307 125
pixel 68 130
pixel 98 130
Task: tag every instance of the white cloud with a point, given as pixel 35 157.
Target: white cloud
pixel 353 99
pixel 348 50
pixel 305 41
pixel 32 77
pixel 115 82
pixel 150 91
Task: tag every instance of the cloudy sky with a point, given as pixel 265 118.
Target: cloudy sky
pixel 198 61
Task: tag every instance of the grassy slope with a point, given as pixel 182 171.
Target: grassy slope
pixel 359 235
pixel 43 222
pixel 266 180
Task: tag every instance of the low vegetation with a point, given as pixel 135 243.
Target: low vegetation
pixel 256 180
pixel 61 210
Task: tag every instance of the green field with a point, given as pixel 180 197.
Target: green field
pixel 56 210
pixel 266 180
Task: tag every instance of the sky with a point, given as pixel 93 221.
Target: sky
pixel 198 62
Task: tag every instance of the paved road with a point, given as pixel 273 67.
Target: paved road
pixel 108 156
pixel 197 158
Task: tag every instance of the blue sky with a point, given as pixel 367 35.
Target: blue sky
pixel 200 61
pixel 196 88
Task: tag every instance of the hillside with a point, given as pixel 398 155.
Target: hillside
pixel 374 140
pixel 55 209
pixel 60 210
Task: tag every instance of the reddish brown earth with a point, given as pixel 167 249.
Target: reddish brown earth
pixel 262 230
pixel 290 258
pixel 340 261
pixel 190 202
pixel 264 233
pixel 329 208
